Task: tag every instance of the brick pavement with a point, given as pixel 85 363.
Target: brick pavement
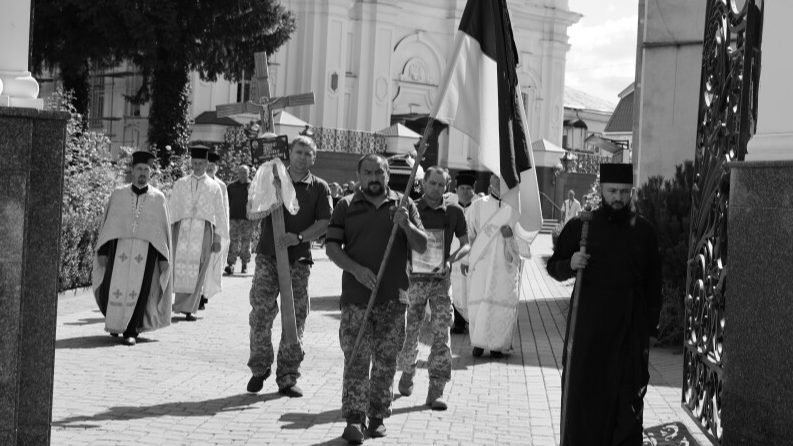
pixel 185 385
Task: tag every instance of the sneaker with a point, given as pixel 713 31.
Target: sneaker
pixel 230 270
pixel 495 354
pixel 438 403
pixel 291 391
pixel 353 433
pixel 477 352
pixel 376 428
pixel 244 268
pixel 256 383
pixel 405 384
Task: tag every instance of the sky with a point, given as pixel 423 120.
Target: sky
pixel 602 57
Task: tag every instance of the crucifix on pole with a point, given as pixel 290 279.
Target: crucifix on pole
pixel 261 102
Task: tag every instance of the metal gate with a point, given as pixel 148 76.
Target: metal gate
pixel 726 122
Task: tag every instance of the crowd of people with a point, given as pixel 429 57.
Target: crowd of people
pixel 457 253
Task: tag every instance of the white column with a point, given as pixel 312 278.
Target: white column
pixel 774 137
pixel 17 87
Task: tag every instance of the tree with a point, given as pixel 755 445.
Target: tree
pixel 165 40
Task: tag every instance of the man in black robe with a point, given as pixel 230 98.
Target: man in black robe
pixel 609 328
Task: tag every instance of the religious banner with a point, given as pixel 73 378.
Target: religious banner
pixel 269 148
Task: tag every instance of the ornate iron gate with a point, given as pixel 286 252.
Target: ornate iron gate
pixel 726 122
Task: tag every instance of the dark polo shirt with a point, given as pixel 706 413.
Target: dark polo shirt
pixel 238 200
pixel 447 216
pixel 313 197
pixel 363 232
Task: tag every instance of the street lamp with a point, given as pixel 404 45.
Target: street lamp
pixel 569 161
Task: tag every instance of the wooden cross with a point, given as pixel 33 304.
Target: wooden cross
pixel 261 102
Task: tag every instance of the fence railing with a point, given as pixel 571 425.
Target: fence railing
pixel 349 141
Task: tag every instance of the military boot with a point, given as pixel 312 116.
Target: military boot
pixel 435 398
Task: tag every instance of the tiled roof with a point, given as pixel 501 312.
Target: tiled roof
pixel 210 117
pixel 398 130
pixel 582 101
pixel 622 118
pixel 543 145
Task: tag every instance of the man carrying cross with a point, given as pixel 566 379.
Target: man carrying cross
pixel 199 225
pixel 131 274
pixel 310 223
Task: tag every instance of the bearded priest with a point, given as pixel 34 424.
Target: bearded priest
pixel 131 274
pixel 199 225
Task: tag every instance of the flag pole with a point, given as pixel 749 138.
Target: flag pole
pixel 419 156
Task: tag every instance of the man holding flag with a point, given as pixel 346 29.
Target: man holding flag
pixel 480 96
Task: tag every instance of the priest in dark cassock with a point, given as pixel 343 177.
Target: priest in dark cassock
pixel 199 226
pixel 609 333
pixel 131 273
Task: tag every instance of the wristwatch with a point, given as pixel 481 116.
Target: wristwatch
pixel 299 237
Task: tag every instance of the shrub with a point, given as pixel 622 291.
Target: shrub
pixel 667 204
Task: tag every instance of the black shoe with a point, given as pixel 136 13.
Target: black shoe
pixel 229 270
pixel 477 352
pixel 495 354
pixel 130 341
pixel 244 269
pixel 189 317
pixel 376 428
pixel 202 302
pixel 353 433
pixel 291 392
pixel 457 329
pixel 256 383
pixel 115 335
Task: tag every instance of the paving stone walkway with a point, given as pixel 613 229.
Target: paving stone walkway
pixel 185 385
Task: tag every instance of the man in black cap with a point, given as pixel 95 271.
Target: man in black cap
pixel 199 224
pixel 217 260
pixel 465 192
pixel 608 335
pixel 131 273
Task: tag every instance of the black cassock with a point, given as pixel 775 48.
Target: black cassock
pixel 618 310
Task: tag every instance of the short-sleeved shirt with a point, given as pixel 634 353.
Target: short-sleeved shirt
pixel 363 232
pixel 313 197
pixel 448 216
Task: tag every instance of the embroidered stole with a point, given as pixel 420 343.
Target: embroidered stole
pixel 127 277
pixel 187 258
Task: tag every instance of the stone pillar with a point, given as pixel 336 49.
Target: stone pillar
pixel 774 137
pixel 758 386
pixel 31 196
pixel 17 87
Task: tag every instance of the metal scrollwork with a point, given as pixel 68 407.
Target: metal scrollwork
pixel 726 122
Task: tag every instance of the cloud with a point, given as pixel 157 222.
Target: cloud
pixel 602 57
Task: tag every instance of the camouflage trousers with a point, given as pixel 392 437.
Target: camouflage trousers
pixel 364 393
pixel 436 292
pixel 264 309
pixel 240 233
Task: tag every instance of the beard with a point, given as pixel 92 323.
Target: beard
pixel 373 189
pixel 142 181
pixel 619 215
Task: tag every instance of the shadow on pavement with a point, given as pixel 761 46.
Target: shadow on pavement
pixel 95 342
pixel 307 420
pixel 203 408
pixel 87 321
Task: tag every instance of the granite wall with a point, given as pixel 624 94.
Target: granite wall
pixel 31 194
pixel 758 383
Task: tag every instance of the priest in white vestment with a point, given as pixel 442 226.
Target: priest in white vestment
pixel 131 273
pixel 217 260
pixel 493 268
pixel 199 226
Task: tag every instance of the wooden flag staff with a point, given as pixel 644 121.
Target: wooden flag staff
pixel 585 217
pixel 408 187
